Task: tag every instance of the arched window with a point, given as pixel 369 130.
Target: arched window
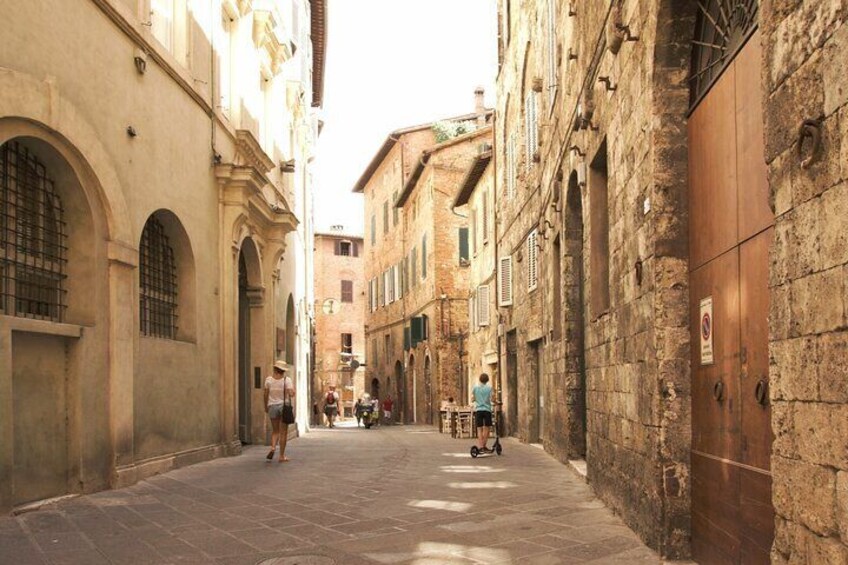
pixel 158 282
pixel 722 28
pixel 33 240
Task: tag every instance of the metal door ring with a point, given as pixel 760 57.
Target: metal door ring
pixel 718 391
pixel 761 392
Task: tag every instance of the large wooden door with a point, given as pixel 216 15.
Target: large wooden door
pixel 730 234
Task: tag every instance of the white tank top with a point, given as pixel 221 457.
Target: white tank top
pixel 276 389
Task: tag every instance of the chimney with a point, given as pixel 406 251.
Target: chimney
pixel 479 106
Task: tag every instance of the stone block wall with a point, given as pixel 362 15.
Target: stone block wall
pixel 805 56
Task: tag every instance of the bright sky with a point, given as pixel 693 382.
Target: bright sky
pixel 392 64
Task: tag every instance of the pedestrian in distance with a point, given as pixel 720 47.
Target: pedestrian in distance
pixel 331 406
pixel 388 404
pixel 357 411
pixel 278 394
pixel 481 395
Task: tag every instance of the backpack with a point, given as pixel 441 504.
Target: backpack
pixel 331 398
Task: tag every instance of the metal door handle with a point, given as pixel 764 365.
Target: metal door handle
pixel 718 391
pixel 761 392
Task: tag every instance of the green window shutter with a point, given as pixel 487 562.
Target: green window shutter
pixel 463 245
pixel 416 330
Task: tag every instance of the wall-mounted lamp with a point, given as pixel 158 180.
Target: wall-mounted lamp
pixel 140 60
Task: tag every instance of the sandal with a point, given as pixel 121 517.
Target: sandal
pixel 270 455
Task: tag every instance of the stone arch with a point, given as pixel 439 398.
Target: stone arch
pixel 35 108
pixel 186 283
pixel 428 389
pixel 400 413
pixel 46 363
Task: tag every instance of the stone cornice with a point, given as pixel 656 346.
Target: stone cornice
pixel 250 153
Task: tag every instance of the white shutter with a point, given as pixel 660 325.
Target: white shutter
pixel 483 305
pixel 531 136
pixel 505 281
pixel 532 261
pixel 399 281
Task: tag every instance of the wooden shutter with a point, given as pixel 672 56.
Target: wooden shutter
pixel 337 247
pixel 532 261
pixel 505 281
pixel 424 256
pixel 485 217
pixel 483 305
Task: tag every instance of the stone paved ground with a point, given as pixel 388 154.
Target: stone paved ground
pixel 391 495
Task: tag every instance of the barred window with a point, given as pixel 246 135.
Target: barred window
pixel 158 288
pixel 33 238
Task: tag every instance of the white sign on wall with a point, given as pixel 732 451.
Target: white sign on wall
pixel 706 330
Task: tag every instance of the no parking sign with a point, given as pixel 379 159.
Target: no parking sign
pixel 707 330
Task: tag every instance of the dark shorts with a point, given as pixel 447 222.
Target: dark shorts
pixel 483 418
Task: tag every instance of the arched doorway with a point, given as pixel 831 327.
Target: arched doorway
pixel 428 391
pixel 399 396
pixel 574 314
pixel 249 297
pixel 375 388
pixel 730 232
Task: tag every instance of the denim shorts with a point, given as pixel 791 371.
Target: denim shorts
pixel 275 411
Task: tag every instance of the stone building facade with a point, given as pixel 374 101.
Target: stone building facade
pixel 476 199
pixel 416 294
pixel 340 300
pixel 670 178
pixel 154 179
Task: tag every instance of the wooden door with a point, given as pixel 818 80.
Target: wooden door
pixel 730 234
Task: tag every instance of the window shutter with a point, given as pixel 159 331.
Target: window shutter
pixel 483 305
pixel 373 229
pixel 414 279
pixel 532 261
pixel 463 245
pixel 505 276
pixel 552 54
pixel 399 280
pixel 338 247
pixel 485 217
pixel 474 231
pixel 424 257
pixel 416 331
pixel 511 169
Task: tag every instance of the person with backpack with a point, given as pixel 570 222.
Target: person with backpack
pixel 331 406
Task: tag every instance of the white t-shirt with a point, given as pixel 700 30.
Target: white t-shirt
pixel 276 389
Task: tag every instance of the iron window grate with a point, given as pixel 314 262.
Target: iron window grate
pixel 722 28
pixel 158 288
pixel 33 238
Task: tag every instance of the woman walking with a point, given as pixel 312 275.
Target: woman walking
pixel 279 391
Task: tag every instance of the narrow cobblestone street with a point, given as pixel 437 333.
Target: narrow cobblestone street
pixel 400 495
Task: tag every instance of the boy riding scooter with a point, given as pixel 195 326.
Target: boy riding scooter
pixel 481 395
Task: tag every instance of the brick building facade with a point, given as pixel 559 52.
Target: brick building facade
pixel 340 300
pixel 416 293
pixel 671 184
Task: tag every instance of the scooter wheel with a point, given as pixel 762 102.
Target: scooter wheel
pixel 498 449
pixel 474 451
